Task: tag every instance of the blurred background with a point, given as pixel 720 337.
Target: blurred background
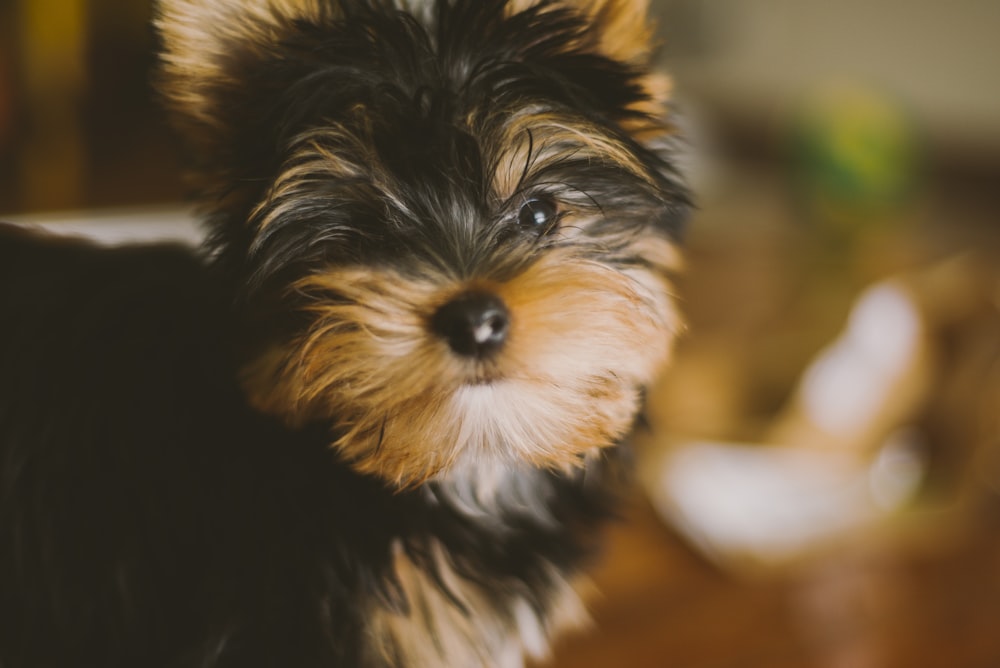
pixel 819 485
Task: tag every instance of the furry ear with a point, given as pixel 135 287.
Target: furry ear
pixel 626 33
pixel 622 27
pixel 622 31
pixel 204 42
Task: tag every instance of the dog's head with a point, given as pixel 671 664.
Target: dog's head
pixel 454 220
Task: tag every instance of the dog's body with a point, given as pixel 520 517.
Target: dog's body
pixel 377 422
pixel 150 518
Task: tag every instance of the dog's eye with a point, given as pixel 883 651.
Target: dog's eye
pixel 538 214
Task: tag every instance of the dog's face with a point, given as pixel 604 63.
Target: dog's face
pixel 452 219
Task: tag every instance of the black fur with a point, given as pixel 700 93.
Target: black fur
pixel 149 518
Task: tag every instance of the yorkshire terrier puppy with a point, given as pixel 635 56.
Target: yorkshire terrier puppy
pixel 378 420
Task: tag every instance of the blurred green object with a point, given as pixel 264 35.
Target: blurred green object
pixel 855 157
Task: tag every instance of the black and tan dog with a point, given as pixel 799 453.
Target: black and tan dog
pixel 376 422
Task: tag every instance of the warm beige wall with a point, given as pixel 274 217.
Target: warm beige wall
pixel 758 56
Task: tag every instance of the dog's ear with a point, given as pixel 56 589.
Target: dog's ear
pixel 623 27
pixel 205 44
pixel 625 32
pixel 208 51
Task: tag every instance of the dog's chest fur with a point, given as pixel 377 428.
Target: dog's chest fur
pixel 436 625
pixel 474 569
pixel 440 631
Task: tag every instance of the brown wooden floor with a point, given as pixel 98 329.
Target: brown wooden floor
pixel 877 604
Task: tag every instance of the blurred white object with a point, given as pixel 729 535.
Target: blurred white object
pixel 867 383
pixel 752 506
pixel 120 226
pixel 846 386
pixel 839 457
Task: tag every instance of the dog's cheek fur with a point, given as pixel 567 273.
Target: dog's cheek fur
pixel 585 339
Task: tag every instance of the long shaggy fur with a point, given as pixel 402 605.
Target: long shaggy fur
pixel 266 453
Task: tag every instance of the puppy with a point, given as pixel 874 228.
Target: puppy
pixel 379 418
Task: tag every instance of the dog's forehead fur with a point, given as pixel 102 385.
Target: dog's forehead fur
pixel 247 81
pixel 361 127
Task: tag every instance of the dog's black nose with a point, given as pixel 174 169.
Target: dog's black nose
pixel 474 324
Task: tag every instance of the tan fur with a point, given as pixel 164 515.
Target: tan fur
pixel 437 632
pixel 584 337
pixel 654 122
pixel 312 160
pixel 551 137
pixel 623 28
